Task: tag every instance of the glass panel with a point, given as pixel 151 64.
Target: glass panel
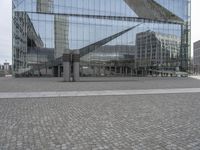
pixel 104 32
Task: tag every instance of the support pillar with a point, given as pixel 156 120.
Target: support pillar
pixel 66 66
pixel 76 64
pixel 110 69
pixel 126 70
pixel 120 71
pixel 131 71
pixel 59 71
pixel 46 68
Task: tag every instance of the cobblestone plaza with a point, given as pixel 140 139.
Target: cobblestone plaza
pixel 129 122
pixel 101 123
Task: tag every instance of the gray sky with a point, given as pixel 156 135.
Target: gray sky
pixel 195 20
pixel 6 28
pixel 5 31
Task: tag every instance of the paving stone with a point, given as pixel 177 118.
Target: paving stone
pixel 139 122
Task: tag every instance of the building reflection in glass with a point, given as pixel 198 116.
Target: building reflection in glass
pixel 44 29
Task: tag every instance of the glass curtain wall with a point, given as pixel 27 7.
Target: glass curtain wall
pixel 128 41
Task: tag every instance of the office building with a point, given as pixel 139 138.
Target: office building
pixel 196 57
pixel 113 37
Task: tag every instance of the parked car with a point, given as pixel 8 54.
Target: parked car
pixel 181 74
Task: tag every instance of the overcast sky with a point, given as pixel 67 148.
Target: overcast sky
pixel 6 28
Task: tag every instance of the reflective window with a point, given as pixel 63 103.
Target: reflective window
pixel 115 37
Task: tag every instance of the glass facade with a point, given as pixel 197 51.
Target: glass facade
pixel 114 37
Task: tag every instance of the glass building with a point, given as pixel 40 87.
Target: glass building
pixel 114 37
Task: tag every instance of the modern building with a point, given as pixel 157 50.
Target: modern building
pixel 113 37
pixel 196 57
pixel 6 66
pixel 5 69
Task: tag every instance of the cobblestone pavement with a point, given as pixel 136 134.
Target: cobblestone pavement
pixel 139 122
pixel 94 84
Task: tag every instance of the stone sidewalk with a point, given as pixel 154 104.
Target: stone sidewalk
pixel 94 84
pixel 59 94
